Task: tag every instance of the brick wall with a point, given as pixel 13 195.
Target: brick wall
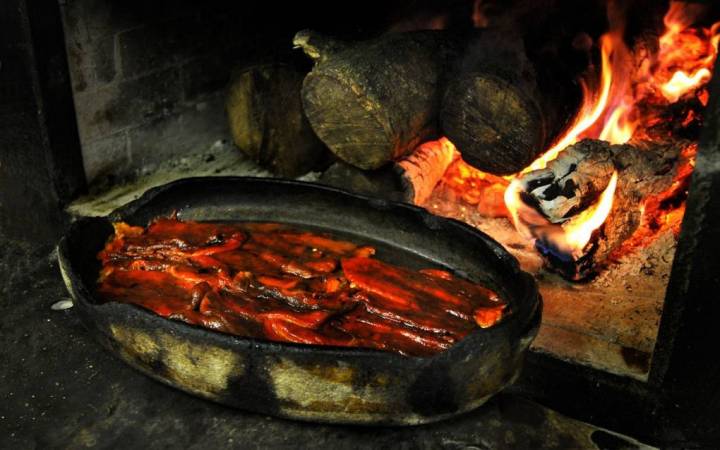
pixel 149 77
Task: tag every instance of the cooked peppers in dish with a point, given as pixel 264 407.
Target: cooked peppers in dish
pixel 276 282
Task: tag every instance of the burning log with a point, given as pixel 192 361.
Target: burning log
pixel 267 121
pixel 501 109
pixel 579 177
pixel 422 170
pixel 375 101
pixel 410 180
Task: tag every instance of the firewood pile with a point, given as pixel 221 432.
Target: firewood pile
pixel 405 114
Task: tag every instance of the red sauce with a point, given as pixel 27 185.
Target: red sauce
pixel 271 281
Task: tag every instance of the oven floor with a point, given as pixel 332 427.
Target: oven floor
pixel 612 324
pixel 58 389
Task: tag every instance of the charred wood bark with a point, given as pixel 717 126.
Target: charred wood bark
pixel 575 180
pixel 375 101
pixel 502 108
pixel 267 121
pixel 382 183
pixel 421 171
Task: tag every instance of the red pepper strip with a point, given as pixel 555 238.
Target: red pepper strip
pixel 172 237
pixel 219 322
pixel 261 242
pixel 486 317
pixel 298 269
pixel 326 244
pixel 279 283
pixel 397 284
pixel 306 320
pixel 190 234
pixel 191 275
pixel 299 298
pixel 156 291
pixel 198 292
pixel 363 273
pixel 430 319
pixel 288 332
pixel 328 284
pixel 243 261
pixel 148 264
pixel 244 305
pixel 323 265
pixel 364 252
pixel 477 294
pixel 209 263
pixel 374 332
pixel 437 273
pixel 435 325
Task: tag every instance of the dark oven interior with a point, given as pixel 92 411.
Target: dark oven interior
pixel 103 100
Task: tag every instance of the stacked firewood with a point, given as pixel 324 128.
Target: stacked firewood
pixel 373 102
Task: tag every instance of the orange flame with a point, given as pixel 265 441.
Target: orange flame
pixel 578 230
pixel 681 83
pixel 614 111
pixel 590 111
pixel 573 235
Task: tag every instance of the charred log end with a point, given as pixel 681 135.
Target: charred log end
pixel 496 127
pixel 421 171
pixel 267 122
pixel 583 268
pixel 648 172
pixel 346 120
pixel 245 127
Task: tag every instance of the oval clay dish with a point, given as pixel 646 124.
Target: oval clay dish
pixel 310 382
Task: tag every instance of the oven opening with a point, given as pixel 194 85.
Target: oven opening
pixel 578 136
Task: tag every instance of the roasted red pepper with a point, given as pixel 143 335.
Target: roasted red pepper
pixel 270 281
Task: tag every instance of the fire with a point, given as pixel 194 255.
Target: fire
pixel 569 238
pixel 579 229
pixel 681 83
pixel 629 93
pixel 625 98
pixel 685 52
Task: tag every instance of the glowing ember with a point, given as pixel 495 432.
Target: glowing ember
pixel 681 83
pixel 579 229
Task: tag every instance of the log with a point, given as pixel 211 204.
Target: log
pixel 380 183
pixel 574 181
pixel 267 120
pixel 502 109
pixel 424 168
pixel 375 101
pixel 411 180
pixel 649 173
